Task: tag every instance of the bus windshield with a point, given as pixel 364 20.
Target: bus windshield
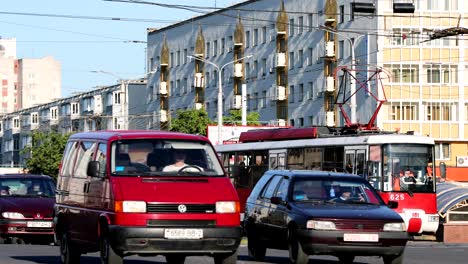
pixel 407 168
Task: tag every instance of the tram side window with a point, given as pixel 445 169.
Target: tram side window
pixel 295 159
pixel 257 167
pixel 333 159
pixel 313 158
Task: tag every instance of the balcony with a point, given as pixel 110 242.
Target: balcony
pixel 330 84
pixel 280 59
pixel 238 70
pixel 163 88
pixel 198 106
pixel 280 93
pixel 330 49
pixel 236 102
pixel 199 80
pixel 164 116
pixel 330 119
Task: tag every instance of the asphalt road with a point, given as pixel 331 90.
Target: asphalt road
pixel 416 253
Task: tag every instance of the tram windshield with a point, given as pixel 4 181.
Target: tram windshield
pixel 406 168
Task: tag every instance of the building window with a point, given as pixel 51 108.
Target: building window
pixel 439 112
pixel 301 122
pixel 291 122
pixel 291 60
pixel 404 73
pixel 301 24
pixel 223 45
pixel 75 106
pixel 442 151
pixel 404 111
pixel 301 92
pixel 342 14
pixel 255 69
pixel 310 56
pixel 264 99
pixel 255 101
pixel 341 49
pixel 442 73
pixel 255 37
pixel 311 89
pixel 208 47
pixel 184 59
pixel 311 22
pixel 247 39
pixel 215 48
pixel 291 27
pixel 311 120
pixel 291 94
pixel 172 59
pixel 264 67
pixel 301 58
pixel 264 34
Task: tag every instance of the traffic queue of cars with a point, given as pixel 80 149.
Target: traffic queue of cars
pixel 164 193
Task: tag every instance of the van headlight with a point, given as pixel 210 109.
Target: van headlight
pixel 227 207
pixel 395 227
pixel 130 206
pixel 321 225
pixel 12 215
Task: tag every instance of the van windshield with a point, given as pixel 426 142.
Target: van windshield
pixel 163 157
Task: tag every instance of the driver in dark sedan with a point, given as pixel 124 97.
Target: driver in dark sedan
pixel 4 190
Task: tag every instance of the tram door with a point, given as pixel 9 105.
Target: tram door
pixel 277 159
pixel 355 160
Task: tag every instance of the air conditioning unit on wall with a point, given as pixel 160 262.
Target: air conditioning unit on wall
pixel 462 161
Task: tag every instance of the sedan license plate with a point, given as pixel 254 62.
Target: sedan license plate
pixel 361 237
pixel 41 224
pixel 179 233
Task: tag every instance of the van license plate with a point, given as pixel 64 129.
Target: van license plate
pixel 39 224
pixel 183 233
pixel 361 237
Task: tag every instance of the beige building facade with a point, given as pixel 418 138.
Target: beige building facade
pixel 26 82
pixel 427 91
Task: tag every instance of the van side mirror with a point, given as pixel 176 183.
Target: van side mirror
pixel 93 168
pixel 392 204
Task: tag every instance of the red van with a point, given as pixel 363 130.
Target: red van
pixel 146 193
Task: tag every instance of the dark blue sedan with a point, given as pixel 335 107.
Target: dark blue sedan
pixel 322 213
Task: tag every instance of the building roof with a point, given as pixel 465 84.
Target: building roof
pixel 449 195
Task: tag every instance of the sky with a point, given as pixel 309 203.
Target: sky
pixel 90 35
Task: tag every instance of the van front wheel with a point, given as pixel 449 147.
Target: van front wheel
pixel 69 254
pixel 108 255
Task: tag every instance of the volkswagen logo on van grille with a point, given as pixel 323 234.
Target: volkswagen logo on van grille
pixel 182 208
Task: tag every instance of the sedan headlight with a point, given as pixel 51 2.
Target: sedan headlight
pixel 321 225
pixel 395 227
pixel 12 215
pixel 130 206
pixel 227 207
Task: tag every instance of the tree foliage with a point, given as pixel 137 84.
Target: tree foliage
pixel 44 154
pixel 235 117
pixel 191 122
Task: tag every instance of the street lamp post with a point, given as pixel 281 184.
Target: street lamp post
pixel 352 85
pixel 220 90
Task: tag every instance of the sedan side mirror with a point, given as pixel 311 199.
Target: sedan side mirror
pixel 277 200
pixel 392 204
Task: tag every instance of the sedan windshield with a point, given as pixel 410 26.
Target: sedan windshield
pixel 345 191
pixel 26 187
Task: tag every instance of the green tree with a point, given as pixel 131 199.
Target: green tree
pixel 235 117
pixel 191 122
pixel 44 154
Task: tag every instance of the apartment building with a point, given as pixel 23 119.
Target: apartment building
pixel 27 81
pixel 107 108
pixel 299 49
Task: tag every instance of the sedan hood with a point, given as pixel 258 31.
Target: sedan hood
pixel 31 206
pixel 349 211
